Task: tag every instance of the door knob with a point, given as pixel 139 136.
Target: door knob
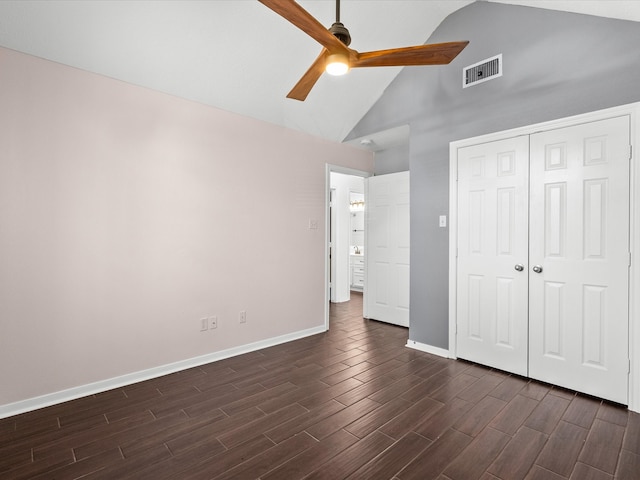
pixel 519 267
pixel 537 269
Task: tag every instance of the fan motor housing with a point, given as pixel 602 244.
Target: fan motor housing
pixel 341 33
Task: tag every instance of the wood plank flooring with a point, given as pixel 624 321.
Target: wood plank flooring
pixel 352 403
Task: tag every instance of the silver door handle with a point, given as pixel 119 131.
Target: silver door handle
pixel 519 267
pixel 537 269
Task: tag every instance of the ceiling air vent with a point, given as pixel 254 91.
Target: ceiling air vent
pixel 482 71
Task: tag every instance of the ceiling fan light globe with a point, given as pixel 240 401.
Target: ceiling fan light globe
pixel 337 64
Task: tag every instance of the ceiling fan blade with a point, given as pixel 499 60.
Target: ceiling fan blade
pixel 433 54
pixel 294 13
pixel 309 79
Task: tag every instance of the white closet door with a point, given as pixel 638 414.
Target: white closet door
pixel 386 291
pixel 492 288
pixel 579 224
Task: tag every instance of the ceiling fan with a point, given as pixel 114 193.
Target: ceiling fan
pixel 337 58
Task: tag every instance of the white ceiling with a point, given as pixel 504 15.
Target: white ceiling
pixel 237 54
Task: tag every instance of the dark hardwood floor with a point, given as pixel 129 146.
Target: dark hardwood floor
pixel 351 403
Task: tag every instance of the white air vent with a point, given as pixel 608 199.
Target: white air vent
pixel 482 71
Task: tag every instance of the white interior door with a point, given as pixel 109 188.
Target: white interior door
pixel 564 317
pixel 492 289
pixel 579 245
pixel 386 290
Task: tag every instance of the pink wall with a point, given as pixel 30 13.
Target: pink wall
pixel 126 215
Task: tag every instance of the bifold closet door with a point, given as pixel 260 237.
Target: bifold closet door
pixel 492 276
pixel 543 256
pixel 579 257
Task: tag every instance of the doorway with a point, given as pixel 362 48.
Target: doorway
pixel 346 244
pixel 341 183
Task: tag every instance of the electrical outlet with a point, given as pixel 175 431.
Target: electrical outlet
pixel 213 322
pixel 243 316
pixel 204 324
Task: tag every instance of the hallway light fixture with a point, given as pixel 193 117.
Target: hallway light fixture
pixel 356 206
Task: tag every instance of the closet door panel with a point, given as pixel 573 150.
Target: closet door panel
pixel 492 240
pixel 579 242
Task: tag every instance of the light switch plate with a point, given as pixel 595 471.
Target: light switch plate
pixel 443 221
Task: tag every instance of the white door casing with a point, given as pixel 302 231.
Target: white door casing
pixel 492 288
pixel 386 290
pixel 578 256
pixel 578 324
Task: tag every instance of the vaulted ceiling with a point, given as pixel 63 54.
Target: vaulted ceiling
pixel 238 55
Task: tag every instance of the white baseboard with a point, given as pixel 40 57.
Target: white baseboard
pixel 49 399
pixel 423 347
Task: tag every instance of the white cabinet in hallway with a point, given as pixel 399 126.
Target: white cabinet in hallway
pixel 356 241
pixel 357 271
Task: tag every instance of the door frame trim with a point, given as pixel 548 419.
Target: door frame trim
pixel 633 111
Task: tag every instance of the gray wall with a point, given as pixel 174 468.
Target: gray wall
pixel 392 160
pixel 556 64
